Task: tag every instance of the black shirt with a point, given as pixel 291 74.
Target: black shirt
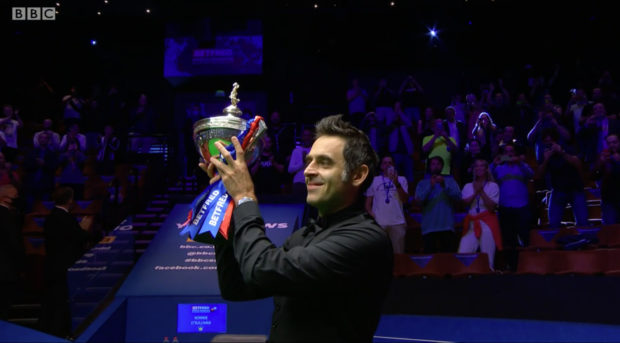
pixel 328 280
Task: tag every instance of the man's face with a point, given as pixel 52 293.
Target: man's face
pixel 324 174
pixel 386 162
pixel 598 109
pixel 47 124
pixel 509 150
pixel 435 166
pixel 614 143
pixel 480 168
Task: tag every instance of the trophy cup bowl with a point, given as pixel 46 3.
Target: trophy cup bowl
pixel 222 127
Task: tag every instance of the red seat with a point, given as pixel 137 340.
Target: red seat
pixel 536 262
pixel 581 262
pixel 609 236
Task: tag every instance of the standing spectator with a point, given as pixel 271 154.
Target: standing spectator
pixel 499 104
pixel 298 163
pixel 400 141
pixel 9 125
pixel 484 131
pixel 72 168
pixel 515 219
pixel 456 130
pixel 607 170
pixel 54 137
pixel 595 129
pixel 426 126
pixel 480 226
pixel 142 120
pixel 73 107
pixel 384 201
pixel 65 243
pixel 268 170
pixel 524 115
pixel 383 100
pixel 411 95
pixel 11 249
pixel 546 120
pixel 436 194
pixel 471 154
pixel 356 97
pixel 283 135
pixel 473 108
pixel 562 170
pixel 40 166
pixel 440 144
pixel 375 131
pixel 106 154
pixel 575 110
pixel 73 135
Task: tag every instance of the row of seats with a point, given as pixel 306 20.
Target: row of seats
pixel 566 262
pixel 440 265
pixel 603 236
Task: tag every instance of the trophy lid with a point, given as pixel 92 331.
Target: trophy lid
pixel 232 109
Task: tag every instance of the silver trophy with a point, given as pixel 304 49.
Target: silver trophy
pixel 223 126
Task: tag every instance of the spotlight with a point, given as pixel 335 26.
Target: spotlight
pixel 392 3
pixel 93 42
pixel 105 2
pixel 98 12
pixel 148 11
pixel 316 5
pixel 433 33
pixel 58 4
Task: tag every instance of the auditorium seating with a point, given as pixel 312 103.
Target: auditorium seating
pixel 579 262
pixel 441 265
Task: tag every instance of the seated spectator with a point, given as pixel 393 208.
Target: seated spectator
pixel 561 168
pixel 71 168
pixel 73 135
pixel 268 170
pixel 8 176
pixel 440 144
pixel 106 151
pixel 384 201
pixel 515 219
pixel 480 226
pixel 54 137
pixel 436 194
pixel 607 170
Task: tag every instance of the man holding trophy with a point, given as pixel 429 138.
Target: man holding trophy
pixel 329 278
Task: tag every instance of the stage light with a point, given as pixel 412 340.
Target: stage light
pixel 58 4
pixel 433 33
pixel 316 5
pixel 148 11
pixel 98 12
pixel 392 4
pixel 105 2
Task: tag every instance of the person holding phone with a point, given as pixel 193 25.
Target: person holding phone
pixel 384 201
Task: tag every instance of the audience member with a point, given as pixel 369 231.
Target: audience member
pixel 400 144
pixel 106 154
pixel 595 129
pixel 268 170
pixel 440 144
pixel 480 226
pixel 375 131
pixel 73 136
pixel 40 166
pixel 437 195
pixel 471 153
pixel 73 107
pixel 546 120
pixel 142 125
pixel 499 104
pixel 283 135
pixel 71 168
pixel 412 98
pixel 9 125
pixel 484 131
pixel 11 249
pixel 383 101
pixel 524 117
pixel 473 108
pixel 298 163
pixel 356 97
pixel 607 170
pixel 513 176
pixel 8 176
pixel 426 125
pixel 384 201
pixel 65 242
pixel 561 169
pixel 54 137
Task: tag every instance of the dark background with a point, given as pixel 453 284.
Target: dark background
pixel 312 53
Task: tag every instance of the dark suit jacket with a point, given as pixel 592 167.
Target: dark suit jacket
pixel 328 283
pixel 65 242
pixel 462 130
pixel 11 245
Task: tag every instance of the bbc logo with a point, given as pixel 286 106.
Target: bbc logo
pixel 34 13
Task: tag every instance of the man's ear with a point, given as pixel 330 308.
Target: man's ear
pixel 359 175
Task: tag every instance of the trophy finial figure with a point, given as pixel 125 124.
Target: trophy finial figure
pixel 233 109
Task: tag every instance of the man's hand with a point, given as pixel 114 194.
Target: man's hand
pixel 234 174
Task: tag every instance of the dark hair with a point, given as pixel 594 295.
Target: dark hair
pixel 357 149
pixel 438 158
pixel 62 195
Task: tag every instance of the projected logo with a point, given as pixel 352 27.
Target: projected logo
pixel 33 13
pixel 197 318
